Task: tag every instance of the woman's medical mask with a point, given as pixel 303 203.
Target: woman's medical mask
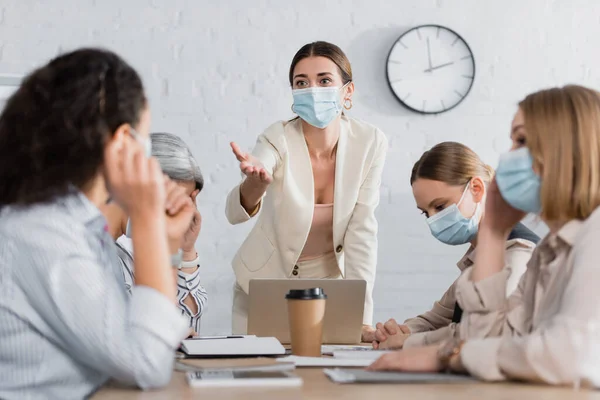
pixel 451 227
pixel 318 106
pixel 518 183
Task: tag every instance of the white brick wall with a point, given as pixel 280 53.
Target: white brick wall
pixel 216 71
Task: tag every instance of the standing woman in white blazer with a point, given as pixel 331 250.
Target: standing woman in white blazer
pixel 313 183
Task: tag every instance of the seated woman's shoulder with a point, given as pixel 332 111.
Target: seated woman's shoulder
pixel 46 224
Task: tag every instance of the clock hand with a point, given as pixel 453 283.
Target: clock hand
pixel 429 53
pixel 439 66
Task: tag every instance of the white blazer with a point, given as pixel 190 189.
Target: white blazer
pixel 274 245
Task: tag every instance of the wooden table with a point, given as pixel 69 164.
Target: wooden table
pixel 318 386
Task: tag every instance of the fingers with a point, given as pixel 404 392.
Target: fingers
pixel 196 220
pixel 185 212
pixel 380 335
pixel 176 198
pixel 384 363
pixel 264 175
pixel 239 154
pixel 177 201
pixel 256 172
pixel 391 327
pixel 134 169
pixel 375 345
pixel 404 329
pixel 155 174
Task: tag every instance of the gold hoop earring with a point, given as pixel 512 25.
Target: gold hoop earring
pixel 346 106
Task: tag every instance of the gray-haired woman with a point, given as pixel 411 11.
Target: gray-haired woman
pixel 178 163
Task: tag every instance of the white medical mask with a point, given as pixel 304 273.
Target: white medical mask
pixel 451 227
pixel 318 106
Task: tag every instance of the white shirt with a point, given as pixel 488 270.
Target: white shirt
pixel 187 284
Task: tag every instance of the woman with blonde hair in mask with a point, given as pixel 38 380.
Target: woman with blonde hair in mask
pixel 450 186
pixel 313 184
pixel 548 330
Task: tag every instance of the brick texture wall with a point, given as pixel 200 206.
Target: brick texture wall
pixel 216 71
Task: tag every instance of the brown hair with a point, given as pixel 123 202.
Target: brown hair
pixel 563 135
pixel 452 163
pixel 323 49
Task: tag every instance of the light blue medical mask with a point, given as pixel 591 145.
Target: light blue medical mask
pixel 317 106
pixel 451 227
pixel 518 183
pixel 146 142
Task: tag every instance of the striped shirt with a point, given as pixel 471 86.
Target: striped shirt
pixel 187 284
pixel 67 324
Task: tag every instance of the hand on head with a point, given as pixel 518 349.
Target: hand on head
pixel 499 215
pixel 181 212
pixel 138 185
pixel 136 182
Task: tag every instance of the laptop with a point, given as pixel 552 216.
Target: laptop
pixel 268 316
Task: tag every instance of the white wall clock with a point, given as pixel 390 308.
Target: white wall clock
pixel 430 69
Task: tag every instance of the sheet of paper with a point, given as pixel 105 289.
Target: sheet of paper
pixel 360 355
pixel 328 349
pixel 324 361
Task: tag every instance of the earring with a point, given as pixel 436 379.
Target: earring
pixel 348 106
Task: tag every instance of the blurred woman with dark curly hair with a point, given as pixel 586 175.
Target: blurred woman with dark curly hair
pixel 74 134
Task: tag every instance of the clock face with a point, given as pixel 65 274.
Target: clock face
pixel 430 69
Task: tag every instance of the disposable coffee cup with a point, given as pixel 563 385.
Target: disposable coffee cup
pixel 306 310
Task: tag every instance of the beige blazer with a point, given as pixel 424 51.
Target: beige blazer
pixel 436 325
pixel 274 245
pixel 548 330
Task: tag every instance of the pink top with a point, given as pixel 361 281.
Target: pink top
pixel 320 237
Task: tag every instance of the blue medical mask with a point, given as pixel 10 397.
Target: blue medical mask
pixel 144 141
pixel 451 227
pixel 317 106
pixel 518 183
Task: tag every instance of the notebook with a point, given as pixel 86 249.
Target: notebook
pixel 361 376
pixel 243 378
pixel 232 347
pixel 275 366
